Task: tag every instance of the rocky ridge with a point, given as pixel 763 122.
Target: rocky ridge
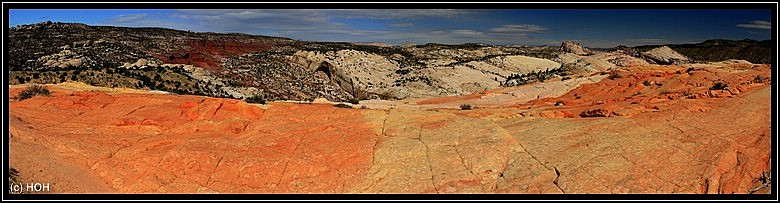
pixel 235 65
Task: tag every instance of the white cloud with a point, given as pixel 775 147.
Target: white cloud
pixel 466 32
pixel 523 28
pixel 144 20
pixel 124 18
pixel 757 24
pixel 329 25
pixel 398 13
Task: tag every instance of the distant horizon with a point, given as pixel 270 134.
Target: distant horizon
pixel 592 28
pixel 362 42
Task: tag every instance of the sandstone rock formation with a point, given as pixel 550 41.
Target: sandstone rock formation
pixel 674 136
pixel 238 65
pixel 665 56
pixel 574 48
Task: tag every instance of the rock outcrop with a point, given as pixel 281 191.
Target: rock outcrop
pixel 719 49
pixel 574 48
pixel 110 46
pixel 664 56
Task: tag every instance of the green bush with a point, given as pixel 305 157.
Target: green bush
pixel 31 91
pixel 257 99
pixel 465 107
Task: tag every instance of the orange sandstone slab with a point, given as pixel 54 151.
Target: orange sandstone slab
pixel 144 143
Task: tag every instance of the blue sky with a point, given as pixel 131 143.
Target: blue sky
pixel 591 27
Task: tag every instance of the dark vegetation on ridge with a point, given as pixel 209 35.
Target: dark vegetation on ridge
pixel 236 65
pixel 720 49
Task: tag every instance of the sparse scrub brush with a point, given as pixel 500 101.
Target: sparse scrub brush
pixel 758 79
pixel 465 107
pixel 719 86
pixel 257 99
pixel 342 105
pixel 31 91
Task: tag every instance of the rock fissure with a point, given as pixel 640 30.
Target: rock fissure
pixel 216 110
pixel 215 170
pixel 428 158
pixel 384 123
pixel 136 109
pixel 558 175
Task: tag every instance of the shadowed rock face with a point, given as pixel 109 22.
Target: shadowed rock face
pixel 209 53
pixel 676 137
pixel 720 50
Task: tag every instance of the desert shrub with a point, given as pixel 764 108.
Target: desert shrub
pixel 719 86
pixel 614 76
pixel 465 107
pixel 342 105
pixel 758 79
pixel 354 101
pixel 646 83
pixel 31 91
pixel 257 99
pixel 765 179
